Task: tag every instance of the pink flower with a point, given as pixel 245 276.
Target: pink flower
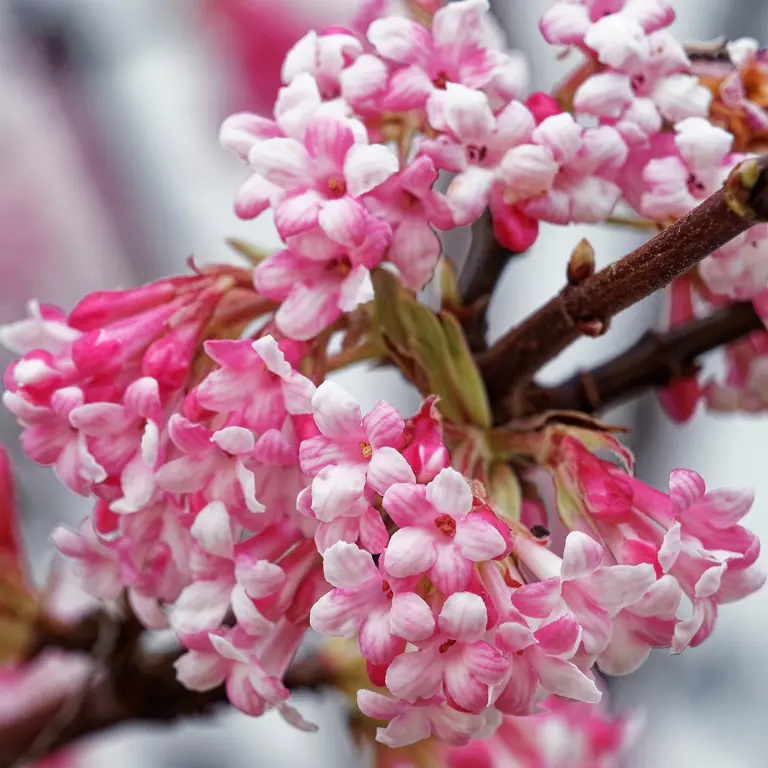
pixel 456 50
pixel 424 448
pixel 46 328
pixel 126 439
pixel 739 270
pixel 50 439
pixel 213 465
pixel 474 143
pixel 568 21
pixel 584 189
pixel 439 533
pixel 457 660
pixel 296 105
pixel 324 57
pixel 591 591
pixel 322 178
pixel 410 204
pixel 351 453
pixel 255 381
pixel 647 80
pixel 227 573
pixel 317 279
pixel 691 536
pixel 365 600
pixel 412 722
pixel 677 183
pixel 538 665
pixel 252 671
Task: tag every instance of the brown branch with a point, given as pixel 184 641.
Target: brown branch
pixel 131 686
pixel 654 361
pixel 482 269
pixel 587 308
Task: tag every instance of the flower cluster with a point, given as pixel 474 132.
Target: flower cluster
pixel 242 498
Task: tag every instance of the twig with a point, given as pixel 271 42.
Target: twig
pixel 481 271
pixel 587 308
pixel 655 360
pixel 130 686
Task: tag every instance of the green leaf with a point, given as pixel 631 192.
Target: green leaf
pixel 431 351
pixel 251 253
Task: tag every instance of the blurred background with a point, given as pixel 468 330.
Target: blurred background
pixel 111 175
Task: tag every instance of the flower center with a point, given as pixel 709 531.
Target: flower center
pixel 409 200
pixel 695 186
pixel 367 451
pixel 337 186
pixel 441 80
pixel 386 589
pixel 446 645
pixel 476 154
pixel 342 266
pixel 638 81
pixel 446 524
pixel 520 652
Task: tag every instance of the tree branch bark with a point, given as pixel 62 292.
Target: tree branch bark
pixel 587 308
pixel 485 263
pixel 130 686
pixel 654 361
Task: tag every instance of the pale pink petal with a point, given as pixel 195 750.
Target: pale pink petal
pixel 526 171
pixel 240 132
pixel 621 585
pixel 378 706
pixel 538 599
pixel 411 618
pixel 606 94
pixel 468 194
pixel 200 671
pixel 281 161
pixel 377 644
pixel 348 567
pixel 680 96
pixel 478 540
pixel 336 490
pixel 365 78
pixel 414 675
pixel 451 571
pixel 467 113
pixel 415 251
pixel 336 412
pixel 297 214
pixel 383 426
pixel 356 289
pixel 387 467
pixel 406 504
pixel 328 141
pixel 581 556
pixel 339 613
pixel 450 494
pixel 254 196
pixel 560 134
pixel 200 607
pixel 234 440
pixel 400 39
pixel 566 679
pixel 559 637
pixel 411 552
pixel 469 693
pixel 213 530
pixel 310 309
pixel 367 166
pixel 259 578
pixel 464 617
pixel 247 615
pixel 100 418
